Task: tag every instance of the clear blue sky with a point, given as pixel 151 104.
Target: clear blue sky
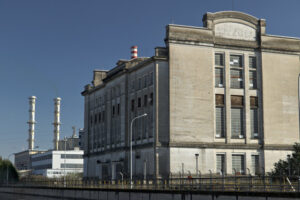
pixel 50 48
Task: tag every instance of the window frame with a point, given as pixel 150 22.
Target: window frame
pixel 220 67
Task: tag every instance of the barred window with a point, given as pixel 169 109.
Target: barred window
pixel 220 116
pixel 252 62
pixel 252 80
pixel 219 77
pixel 236 78
pixel 236 61
pixel 237 122
pixel 255 164
pixel 220 164
pixel 254 117
pixel 219 59
pixel 238 164
pixel 219 70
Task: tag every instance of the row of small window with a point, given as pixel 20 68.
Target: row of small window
pixel 46 166
pixel 98 118
pixel 142 82
pixel 71 156
pixel 238 164
pixel 45 157
pixel 237 117
pixel 71 165
pixel 236 71
pixel 146 100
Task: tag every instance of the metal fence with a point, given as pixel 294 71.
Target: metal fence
pixel 228 183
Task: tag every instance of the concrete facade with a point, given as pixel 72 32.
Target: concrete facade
pixel 229 66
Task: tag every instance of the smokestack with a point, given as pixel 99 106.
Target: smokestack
pixel 74 131
pixel 56 122
pixel 31 122
pixel 134 52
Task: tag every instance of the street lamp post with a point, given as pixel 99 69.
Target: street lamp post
pixel 65 140
pixel 197 170
pixel 143 115
pixel 7 168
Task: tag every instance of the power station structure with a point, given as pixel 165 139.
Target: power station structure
pixel 31 122
pixel 32 161
pixel 23 158
pixel 222 98
pixel 56 122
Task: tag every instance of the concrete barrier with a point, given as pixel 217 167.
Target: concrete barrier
pixel 33 193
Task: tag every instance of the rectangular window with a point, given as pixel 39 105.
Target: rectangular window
pixel 236 78
pixel 237 116
pixel 139 102
pixel 220 164
pixel 219 59
pixel 151 99
pixel 254 117
pixel 236 71
pixel 118 110
pixel 236 61
pixel 252 79
pixel 255 164
pixel 140 83
pixel 219 77
pixel 252 73
pixel 219 70
pixel 95 118
pixel 220 116
pixel 237 123
pixel 113 110
pixel 145 82
pixel 238 164
pixel 132 105
pixel 103 115
pixel 252 62
pixel 151 79
pixel 145 100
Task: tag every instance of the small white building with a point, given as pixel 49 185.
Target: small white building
pixel 57 163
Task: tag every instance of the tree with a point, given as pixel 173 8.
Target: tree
pixel 7 170
pixel 290 166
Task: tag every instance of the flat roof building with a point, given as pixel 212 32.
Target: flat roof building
pixel 57 163
pixel 222 97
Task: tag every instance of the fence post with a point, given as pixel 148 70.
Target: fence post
pixel 235 186
pixel 210 179
pixel 298 183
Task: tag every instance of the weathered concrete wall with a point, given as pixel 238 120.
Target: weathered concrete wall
pixel 191 94
pixel 280 98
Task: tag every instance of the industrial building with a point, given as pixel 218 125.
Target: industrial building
pixel 57 163
pixel 222 98
pixel 63 159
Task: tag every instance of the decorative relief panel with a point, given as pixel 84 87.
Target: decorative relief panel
pixel 235 31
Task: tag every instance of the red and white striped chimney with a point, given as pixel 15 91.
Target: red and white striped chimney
pixel 134 52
